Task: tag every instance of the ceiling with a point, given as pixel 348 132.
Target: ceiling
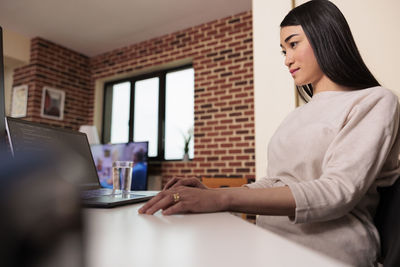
pixel 92 27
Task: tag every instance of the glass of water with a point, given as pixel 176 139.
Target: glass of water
pixel 122 176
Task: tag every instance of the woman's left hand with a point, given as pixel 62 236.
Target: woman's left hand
pixel 183 199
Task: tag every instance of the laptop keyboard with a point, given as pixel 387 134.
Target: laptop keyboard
pixel 96 193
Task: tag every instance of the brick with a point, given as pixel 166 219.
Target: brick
pixel 235 139
pixel 209 146
pixel 227 145
pixel 219 128
pixel 242 144
pixel 241 119
pixel 205 165
pixel 250 164
pixel 221 139
pixel 242 170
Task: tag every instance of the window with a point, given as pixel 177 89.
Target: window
pixel 179 111
pixel 146 105
pixel 157 107
pixel 120 113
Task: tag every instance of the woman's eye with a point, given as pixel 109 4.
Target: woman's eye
pixel 283 53
pixel 293 44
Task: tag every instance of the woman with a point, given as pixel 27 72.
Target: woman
pixel 328 156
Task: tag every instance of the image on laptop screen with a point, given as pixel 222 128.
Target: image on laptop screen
pixel 105 155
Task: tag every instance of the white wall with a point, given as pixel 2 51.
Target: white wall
pixel 16 53
pixel 274 92
pixel 16 46
pixel 8 80
pixel 375 26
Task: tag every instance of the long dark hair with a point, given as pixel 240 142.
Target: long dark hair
pixel 333 44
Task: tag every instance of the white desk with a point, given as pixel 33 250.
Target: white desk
pixel 121 237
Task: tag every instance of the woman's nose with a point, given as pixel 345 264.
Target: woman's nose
pixel 288 59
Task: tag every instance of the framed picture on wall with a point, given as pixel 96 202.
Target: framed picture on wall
pixel 19 101
pixel 52 103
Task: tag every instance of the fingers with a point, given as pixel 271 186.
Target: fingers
pixel 161 201
pixel 179 181
pixel 165 199
pixel 182 181
pixel 174 209
pixel 171 183
pixel 193 182
pixel 163 204
pixel 151 202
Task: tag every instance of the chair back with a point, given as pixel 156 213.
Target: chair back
pixel 223 182
pixel 387 221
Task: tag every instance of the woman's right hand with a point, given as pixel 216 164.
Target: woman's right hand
pixel 180 181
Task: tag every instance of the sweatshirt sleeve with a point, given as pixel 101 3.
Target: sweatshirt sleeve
pixel 263 183
pixel 352 162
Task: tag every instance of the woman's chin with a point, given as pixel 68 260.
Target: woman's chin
pixel 300 83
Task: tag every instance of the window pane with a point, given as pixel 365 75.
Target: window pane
pixel 179 113
pixel 120 112
pixel 145 126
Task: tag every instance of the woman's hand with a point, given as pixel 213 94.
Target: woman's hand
pixel 179 181
pixel 183 199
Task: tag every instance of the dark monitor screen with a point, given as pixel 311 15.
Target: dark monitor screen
pixel 105 155
pixel 3 135
pixel 70 148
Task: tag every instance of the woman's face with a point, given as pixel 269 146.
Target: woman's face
pixel 299 56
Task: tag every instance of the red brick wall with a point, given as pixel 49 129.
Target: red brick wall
pixel 222 55
pixel 55 66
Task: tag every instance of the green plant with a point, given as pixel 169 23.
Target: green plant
pixel 187 138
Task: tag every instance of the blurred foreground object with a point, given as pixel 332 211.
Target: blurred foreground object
pixel 41 221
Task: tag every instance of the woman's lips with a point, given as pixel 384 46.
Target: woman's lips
pixel 293 71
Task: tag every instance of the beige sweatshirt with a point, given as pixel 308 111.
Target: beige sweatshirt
pixel 333 152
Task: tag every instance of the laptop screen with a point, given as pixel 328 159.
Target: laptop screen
pixel 74 158
pixel 104 155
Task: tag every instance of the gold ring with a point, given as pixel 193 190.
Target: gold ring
pixel 176 197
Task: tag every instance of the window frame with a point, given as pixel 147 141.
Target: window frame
pixel 107 107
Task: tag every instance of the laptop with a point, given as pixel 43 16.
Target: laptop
pixel 74 160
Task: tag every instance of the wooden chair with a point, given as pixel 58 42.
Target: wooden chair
pixel 223 182
pixel 226 182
